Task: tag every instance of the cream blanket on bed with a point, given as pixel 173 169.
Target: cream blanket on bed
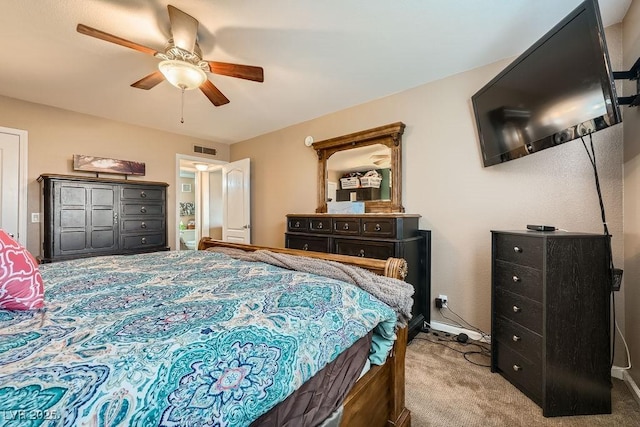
pixel 397 294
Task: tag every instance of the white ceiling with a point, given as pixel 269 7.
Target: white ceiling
pixel 319 56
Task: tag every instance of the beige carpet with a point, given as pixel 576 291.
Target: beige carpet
pixel 444 389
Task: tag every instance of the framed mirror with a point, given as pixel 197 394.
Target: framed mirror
pixel 362 166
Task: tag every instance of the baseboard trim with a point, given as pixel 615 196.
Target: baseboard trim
pixel 617 372
pixel 455 330
pixel 633 387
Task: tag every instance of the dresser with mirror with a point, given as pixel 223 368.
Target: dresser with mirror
pixel 383 230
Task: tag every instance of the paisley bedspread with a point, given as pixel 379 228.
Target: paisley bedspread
pixel 189 338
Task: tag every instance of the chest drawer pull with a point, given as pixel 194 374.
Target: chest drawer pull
pixel 346 227
pixel 143 240
pixel 297 225
pixel 143 209
pixel 377 227
pixel 320 225
pixel 516 309
pixel 143 194
pixel 516 338
pixel 305 247
pixel 361 253
pixel 515 278
pixel 517 249
pixel 517 368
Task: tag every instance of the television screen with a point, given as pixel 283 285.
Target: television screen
pixel 560 88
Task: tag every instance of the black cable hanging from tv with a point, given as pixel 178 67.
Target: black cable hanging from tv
pixel 615 273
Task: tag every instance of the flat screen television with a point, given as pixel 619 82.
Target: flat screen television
pixel 560 88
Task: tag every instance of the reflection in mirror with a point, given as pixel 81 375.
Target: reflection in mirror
pixel 368 161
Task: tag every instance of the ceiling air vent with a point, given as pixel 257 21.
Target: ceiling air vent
pixel 204 150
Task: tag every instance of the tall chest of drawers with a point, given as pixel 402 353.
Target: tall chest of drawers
pixel 85 216
pixel 551 319
pixel 377 236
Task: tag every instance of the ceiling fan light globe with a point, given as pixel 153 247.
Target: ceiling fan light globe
pixel 181 74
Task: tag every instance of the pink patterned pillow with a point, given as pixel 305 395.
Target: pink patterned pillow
pixel 21 285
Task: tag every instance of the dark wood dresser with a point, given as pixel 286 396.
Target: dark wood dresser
pixel 550 318
pixel 85 216
pixel 377 236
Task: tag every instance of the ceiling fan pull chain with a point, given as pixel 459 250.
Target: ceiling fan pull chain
pixel 182 107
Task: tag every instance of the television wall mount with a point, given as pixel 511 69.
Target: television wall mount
pixel 632 74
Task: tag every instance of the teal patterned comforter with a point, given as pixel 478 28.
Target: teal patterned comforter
pixel 190 338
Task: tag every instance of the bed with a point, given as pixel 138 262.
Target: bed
pixel 168 339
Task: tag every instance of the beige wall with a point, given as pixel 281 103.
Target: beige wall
pixel 56 134
pixel 631 291
pixel 444 181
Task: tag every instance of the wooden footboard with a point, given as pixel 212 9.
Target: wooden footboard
pixel 377 399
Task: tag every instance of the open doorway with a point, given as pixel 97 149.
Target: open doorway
pixel 198 200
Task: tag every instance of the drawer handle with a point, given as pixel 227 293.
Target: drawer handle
pixel 345 227
pixel 115 218
pixel 515 278
pixel 377 227
pixel 305 247
pixel 143 209
pixel 517 368
pixel 361 253
pixel 297 224
pixel 143 240
pixel 517 249
pixel 516 338
pixel 516 309
pixel 143 194
pixel 143 225
pixel 320 226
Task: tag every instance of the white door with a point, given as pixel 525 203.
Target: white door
pixel 13 183
pixel 236 202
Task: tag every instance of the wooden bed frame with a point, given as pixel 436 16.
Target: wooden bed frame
pixel 377 399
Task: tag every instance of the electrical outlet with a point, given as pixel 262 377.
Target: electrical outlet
pixel 444 300
pixel 35 217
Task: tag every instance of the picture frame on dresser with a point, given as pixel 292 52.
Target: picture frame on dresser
pixel 91 216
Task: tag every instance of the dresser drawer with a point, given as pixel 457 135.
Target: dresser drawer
pixel 142 193
pixel 367 249
pixel 320 225
pixel 518 338
pixel 524 311
pixel 518 249
pixel 142 241
pixel 307 243
pixel 519 279
pixel 350 226
pixel 520 371
pixel 382 227
pixel 142 209
pixel 142 225
pixel 297 223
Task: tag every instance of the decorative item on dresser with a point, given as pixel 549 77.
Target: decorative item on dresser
pixel 378 236
pixel 86 216
pixel 551 320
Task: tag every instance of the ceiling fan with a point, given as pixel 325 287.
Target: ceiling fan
pixel 182 64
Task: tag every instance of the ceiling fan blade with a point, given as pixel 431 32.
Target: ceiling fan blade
pixel 215 96
pixel 184 29
pixel 88 31
pixel 150 81
pixel 247 72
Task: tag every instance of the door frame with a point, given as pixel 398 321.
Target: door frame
pixel 23 137
pixel 198 189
